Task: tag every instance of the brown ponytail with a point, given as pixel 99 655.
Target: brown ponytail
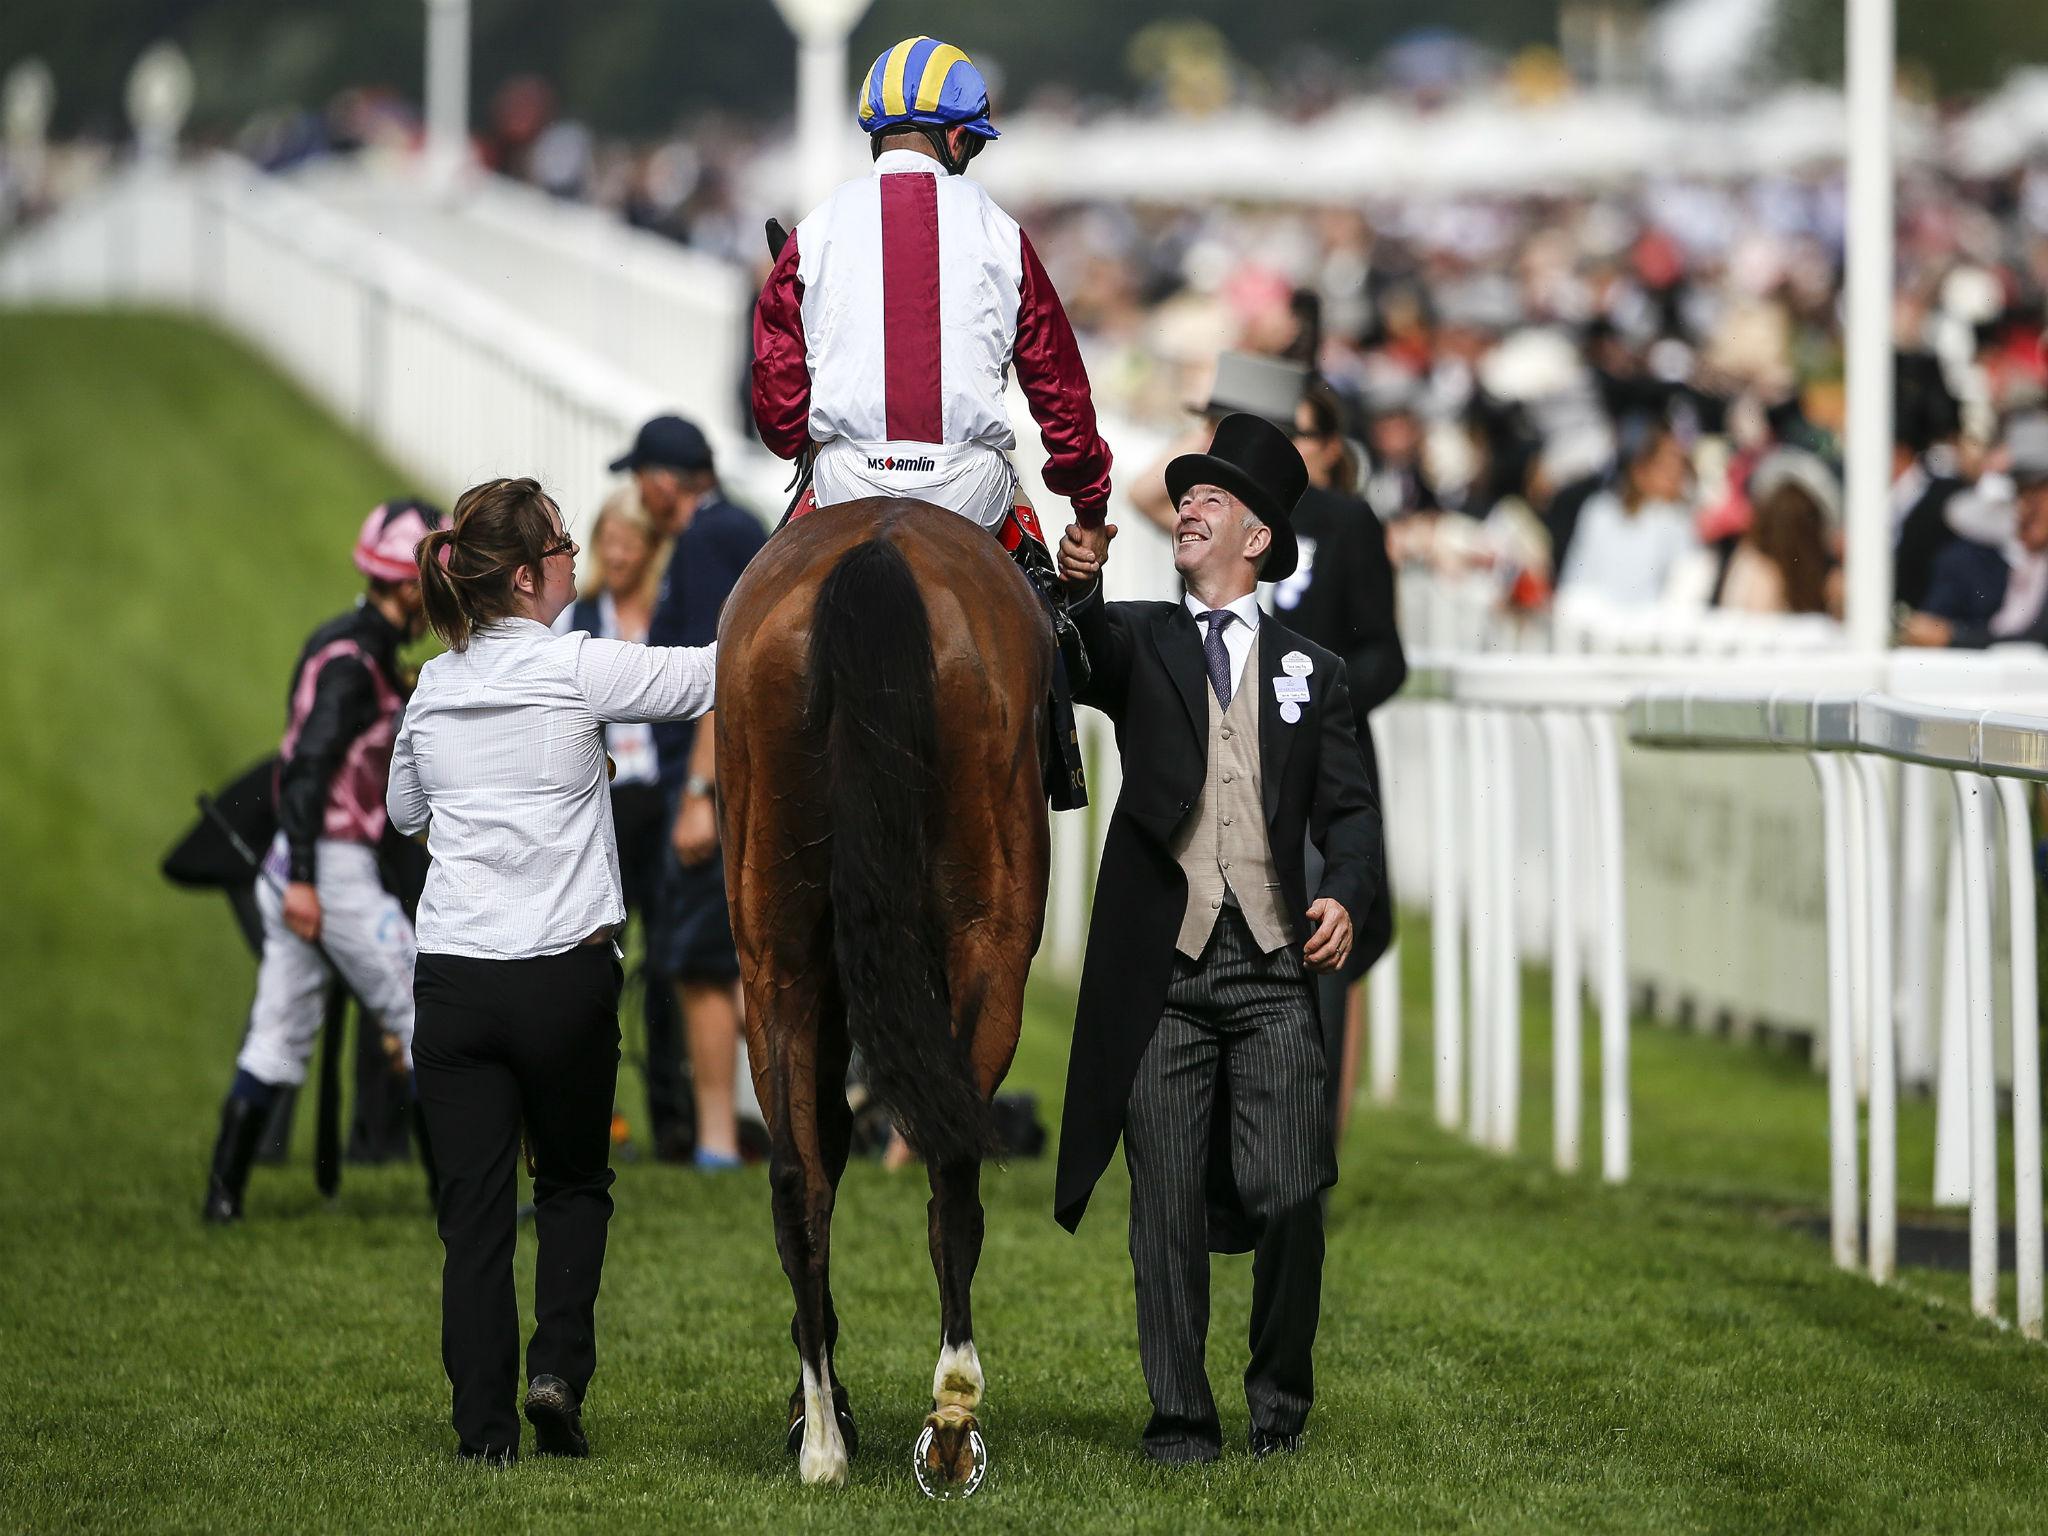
pixel 467 568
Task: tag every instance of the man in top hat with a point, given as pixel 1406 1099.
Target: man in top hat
pixel 1196 1038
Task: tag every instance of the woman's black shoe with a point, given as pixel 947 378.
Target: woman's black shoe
pixel 489 1455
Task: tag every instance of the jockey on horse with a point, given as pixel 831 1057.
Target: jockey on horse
pixel 886 333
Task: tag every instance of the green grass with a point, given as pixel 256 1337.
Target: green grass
pixel 1501 1348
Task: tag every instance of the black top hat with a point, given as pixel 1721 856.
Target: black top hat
pixel 1258 464
pixel 667 442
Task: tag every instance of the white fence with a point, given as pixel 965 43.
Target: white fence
pixel 1516 827
pixel 451 385
pixel 1985 754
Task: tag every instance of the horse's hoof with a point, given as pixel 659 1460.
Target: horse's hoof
pixel 848 1430
pixel 951 1459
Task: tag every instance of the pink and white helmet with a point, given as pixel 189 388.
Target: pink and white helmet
pixel 387 548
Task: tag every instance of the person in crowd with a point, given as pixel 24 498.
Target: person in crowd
pixel 1196 1038
pixel 690 940
pixel 617 603
pixel 1248 382
pixel 1925 475
pixel 855 375
pixel 1632 535
pixel 1341 596
pixel 1985 593
pixel 1785 561
pixel 501 761
pixel 323 903
pixel 1396 484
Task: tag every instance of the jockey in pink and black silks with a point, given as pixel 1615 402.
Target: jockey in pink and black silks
pixel 886 333
pixel 324 907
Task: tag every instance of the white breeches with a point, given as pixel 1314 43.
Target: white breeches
pixel 363 933
pixel 972 479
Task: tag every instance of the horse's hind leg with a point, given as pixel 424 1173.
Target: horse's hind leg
pixel 955 1223
pixel 948 1456
pixel 835 1141
pixel 802 1179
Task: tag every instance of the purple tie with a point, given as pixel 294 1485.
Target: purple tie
pixel 1219 657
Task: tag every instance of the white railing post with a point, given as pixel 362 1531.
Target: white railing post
pixel 1614 1096
pixel 1564 941
pixel 1383 982
pixel 1856 885
pixel 1882 1032
pixel 1383 1005
pixel 2026 1055
pixel 1843 1215
pixel 1915 926
pixel 1506 1067
pixel 1983 1099
pixel 1952 1052
pixel 1479 926
pixel 1446 972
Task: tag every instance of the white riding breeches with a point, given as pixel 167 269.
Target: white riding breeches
pixel 364 934
pixel 972 479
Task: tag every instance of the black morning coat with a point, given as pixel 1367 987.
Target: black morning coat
pixel 1150 678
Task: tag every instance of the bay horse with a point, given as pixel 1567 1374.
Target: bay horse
pixel 883 670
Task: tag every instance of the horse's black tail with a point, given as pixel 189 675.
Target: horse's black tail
pixel 873 693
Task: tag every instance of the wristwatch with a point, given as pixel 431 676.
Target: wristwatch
pixel 697 784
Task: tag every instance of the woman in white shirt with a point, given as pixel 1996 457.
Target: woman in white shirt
pixel 1632 537
pixel 516 987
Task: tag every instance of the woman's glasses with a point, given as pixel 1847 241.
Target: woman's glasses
pixel 567 547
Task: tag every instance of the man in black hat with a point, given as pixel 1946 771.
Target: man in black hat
pixel 1196 1038
pixel 690 936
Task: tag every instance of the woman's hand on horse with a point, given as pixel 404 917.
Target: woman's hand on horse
pixel 302 910
pixel 1084 552
pixel 1330 945
pixel 695 836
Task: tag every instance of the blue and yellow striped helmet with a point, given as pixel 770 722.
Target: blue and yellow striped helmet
pixel 926 82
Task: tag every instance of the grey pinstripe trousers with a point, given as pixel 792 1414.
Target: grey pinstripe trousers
pixel 1247 1019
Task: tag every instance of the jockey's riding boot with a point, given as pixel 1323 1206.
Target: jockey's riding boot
pixel 241 1127
pixel 1066 784
pixel 1035 560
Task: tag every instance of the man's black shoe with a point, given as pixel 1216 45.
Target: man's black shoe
pixel 221 1208
pixel 556 1417
pixel 1180 1453
pixel 489 1455
pixel 1266 1444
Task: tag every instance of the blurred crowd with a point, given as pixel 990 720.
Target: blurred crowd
pixel 1628 400
pixel 1631 399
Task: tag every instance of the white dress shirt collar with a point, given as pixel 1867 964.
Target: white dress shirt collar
pixel 1246 608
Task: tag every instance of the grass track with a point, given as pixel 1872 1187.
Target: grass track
pixel 1501 1348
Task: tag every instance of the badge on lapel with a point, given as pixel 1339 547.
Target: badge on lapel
pixel 1292 692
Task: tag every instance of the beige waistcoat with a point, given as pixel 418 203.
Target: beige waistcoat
pixel 1222 848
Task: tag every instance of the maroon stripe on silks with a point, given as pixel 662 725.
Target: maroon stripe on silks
pixel 910 308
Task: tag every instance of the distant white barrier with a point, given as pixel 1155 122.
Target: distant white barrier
pixel 452 385
pixel 1986 753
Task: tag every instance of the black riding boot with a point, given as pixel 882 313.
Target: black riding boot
pixel 241 1127
pixel 1066 782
